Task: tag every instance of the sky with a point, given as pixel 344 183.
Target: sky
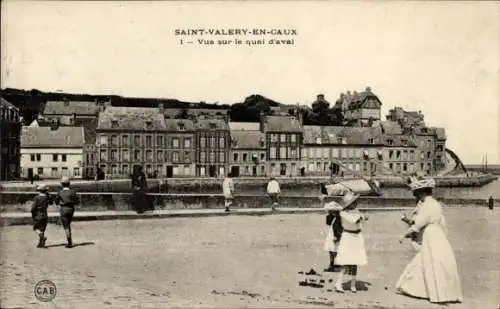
pixel 442 58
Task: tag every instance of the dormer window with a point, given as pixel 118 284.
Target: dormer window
pixel 114 124
pixel 390 142
pixel 370 141
pixel 180 125
pixel 149 124
pixel 212 125
pixel 318 140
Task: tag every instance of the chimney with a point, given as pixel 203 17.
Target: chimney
pixel 321 97
pixel 161 107
pixel 262 120
pixel 368 89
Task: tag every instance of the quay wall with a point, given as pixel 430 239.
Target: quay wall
pixel 21 202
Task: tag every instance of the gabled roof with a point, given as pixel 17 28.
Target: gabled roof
pixel 179 125
pixel 211 125
pixel 46 137
pixel 247 140
pixel 81 108
pixel 342 135
pixel 131 118
pixel 391 128
pixel 244 126
pixel 6 104
pixel 281 124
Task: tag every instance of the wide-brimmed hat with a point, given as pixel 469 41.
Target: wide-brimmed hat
pixel 348 198
pixel 419 182
pixel 65 180
pixel 42 188
pixel 332 206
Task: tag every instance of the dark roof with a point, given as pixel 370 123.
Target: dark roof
pixel 174 112
pixel 247 140
pixel 441 133
pixel 342 135
pixel 391 128
pixel 6 104
pixel 175 125
pixel 211 124
pixel 131 118
pixel 366 99
pixel 45 137
pixel 244 126
pixel 70 108
pixel 281 124
pixel 399 141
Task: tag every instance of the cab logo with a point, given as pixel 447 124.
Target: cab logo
pixel 45 290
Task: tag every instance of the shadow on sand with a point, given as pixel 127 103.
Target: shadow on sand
pixel 360 285
pixel 74 245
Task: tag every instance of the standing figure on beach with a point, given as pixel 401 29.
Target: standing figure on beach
pixel 273 190
pixel 351 251
pixel 228 191
pixel 140 200
pixel 432 274
pixel 67 201
pixel 39 213
pixel 333 235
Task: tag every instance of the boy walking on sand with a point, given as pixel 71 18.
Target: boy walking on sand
pixel 67 200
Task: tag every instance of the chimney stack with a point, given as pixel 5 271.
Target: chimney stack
pixel 262 120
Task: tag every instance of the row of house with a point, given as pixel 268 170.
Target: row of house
pixel 76 138
pixel 10 128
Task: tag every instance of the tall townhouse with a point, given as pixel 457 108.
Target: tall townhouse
pixel 248 153
pixel 10 141
pixel 180 148
pixel 212 147
pixel 52 152
pixel 400 154
pixel 129 137
pixel 361 108
pixel 283 138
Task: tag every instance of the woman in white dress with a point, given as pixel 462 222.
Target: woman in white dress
pixel 432 274
pixel 351 251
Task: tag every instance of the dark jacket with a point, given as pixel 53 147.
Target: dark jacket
pixel 337 226
pixel 39 206
pixel 139 181
pixel 67 198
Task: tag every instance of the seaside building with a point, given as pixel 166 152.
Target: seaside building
pixel 10 141
pixel 360 109
pixel 248 153
pixel 129 137
pixel 212 147
pixel 180 152
pixel 283 140
pixel 52 152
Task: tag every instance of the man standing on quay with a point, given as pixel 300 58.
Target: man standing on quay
pixel 273 190
pixel 67 200
pixel 228 190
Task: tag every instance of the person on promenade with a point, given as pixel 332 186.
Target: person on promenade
pixel 273 190
pixel 39 213
pixel 334 229
pixel 228 191
pixel 491 203
pixel 432 273
pixel 139 186
pixel 351 251
pixel 67 201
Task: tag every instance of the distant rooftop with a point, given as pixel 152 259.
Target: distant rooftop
pixel 244 126
pixel 247 139
pixel 81 108
pixel 179 125
pixel 281 124
pixel 131 118
pixel 46 137
pixel 211 125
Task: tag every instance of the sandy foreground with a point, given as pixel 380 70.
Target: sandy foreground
pixel 233 262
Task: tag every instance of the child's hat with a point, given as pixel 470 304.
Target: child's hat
pixel 349 198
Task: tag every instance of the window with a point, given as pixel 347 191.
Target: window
pixel 32 157
pixel 63 157
pixel 283 138
pixel 38 157
pixel 221 157
pixel 202 171
pixel 202 156
pixel 247 170
pixel 343 153
pixel 64 171
pixel 114 124
pixel 149 125
pixel 187 170
pixel 39 171
pixel 212 156
pixel 103 140
pixel 405 167
pixel 398 154
pixel 272 152
pixel 221 142
pixel 187 143
pixel 412 155
pixel 125 155
pixel 125 140
pixel 54 157
pixel 125 170
pixel 318 140
pixel 212 142
pixel 428 154
pixel 202 142
pixel 235 157
pixel 245 157
pixel 293 138
pixel 274 137
pixel 137 140
pixel 149 155
pixel 181 126
pixel 175 156
pixel 293 152
pixel 114 140
pixel 137 155
pixel 149 169
pixel 53 172
pixel 187 156
pixel 282 153
pixel 149 141
pixel 175 142
pixel 262 156
pixel 335 153
pixel 102 155
pixel 114 155
pixel 159 140
pixel 159 155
